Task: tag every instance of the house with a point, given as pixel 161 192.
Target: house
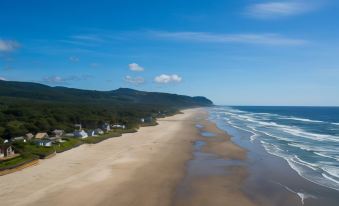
pixel 91 133
pixel 44 143
pixel 55 139
pixel 18 139
pixel 78 127
pixel 29 136
pixel 58 132
pixel 41 135
pixel 118 126
pixel 69 135
pixel 6 150
pixel 80 134
pixel 146 120
pixel 98 131
pixel 106 127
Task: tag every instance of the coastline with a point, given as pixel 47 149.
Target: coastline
pixel 272 180
pixel 140 168
pixel 186 160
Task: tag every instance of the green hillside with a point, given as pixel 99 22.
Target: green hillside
pixel 32 107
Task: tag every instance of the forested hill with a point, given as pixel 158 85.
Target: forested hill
pixel 37 91
pixel 32 107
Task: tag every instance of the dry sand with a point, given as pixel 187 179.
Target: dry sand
pixel 136 169
pixel 139 169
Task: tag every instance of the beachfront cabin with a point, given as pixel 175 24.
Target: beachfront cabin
pixel 55 139
pixel 29 136
pixel 80 134
pixel 146 120
pixel 41 135
pixel 99 131
pixel 58 132
pixel 44 143
pixel 118 126
pixel 106 127
pixel 91 133
pixel 6 150
pixel 69 135
pixel 78 127
pixel 18 139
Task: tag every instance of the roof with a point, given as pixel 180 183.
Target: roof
pixel 29 135
pixel 41 135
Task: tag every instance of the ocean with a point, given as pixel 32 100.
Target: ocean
pixel 306 137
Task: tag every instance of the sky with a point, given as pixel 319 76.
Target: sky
pixel 235 52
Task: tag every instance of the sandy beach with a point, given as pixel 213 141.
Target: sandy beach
pixel 143 168
pixel 136 169
pixel 186 160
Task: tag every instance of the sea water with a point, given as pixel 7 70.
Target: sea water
pixel 306 137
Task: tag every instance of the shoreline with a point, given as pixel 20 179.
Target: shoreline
pixel 186 160
pixel 272 176
pixel 140 168
pixel 215 175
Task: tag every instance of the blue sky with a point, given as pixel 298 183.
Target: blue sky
pixel 236 52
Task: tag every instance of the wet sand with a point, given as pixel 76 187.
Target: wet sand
pixel 218 174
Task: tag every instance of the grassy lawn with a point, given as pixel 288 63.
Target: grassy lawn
pixel 11 163
pixel 94 140
pixel 67 145
pixel 149 124
pixel 32 149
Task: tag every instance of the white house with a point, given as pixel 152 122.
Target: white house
pixel 106 127
pixel 18 139
pixel 80 134
pixel 58 132
pixel 6 151
pixel 45 143
pixel 56 139
pixel 98 131
pixel 69 135
pixel 119 126
pixel 91 133
pixel 29 136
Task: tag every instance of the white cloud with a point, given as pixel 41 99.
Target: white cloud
pixel 134 80
pixel 264 39
pixel 277 9
pixel 8 45
pixel 135 67
pixel 3 79
pixel 165 79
